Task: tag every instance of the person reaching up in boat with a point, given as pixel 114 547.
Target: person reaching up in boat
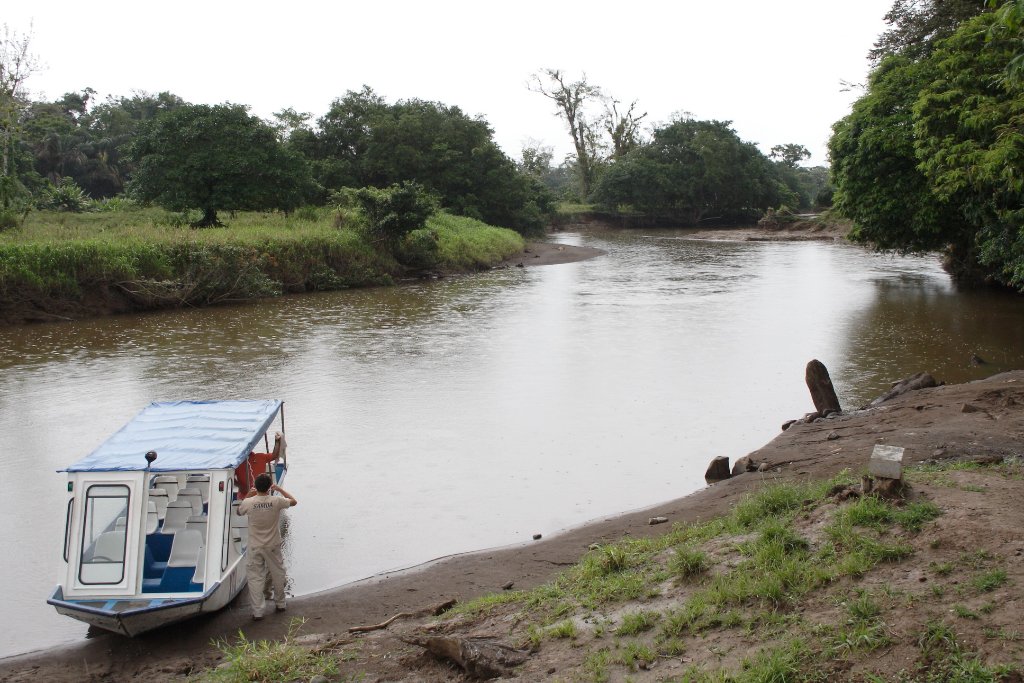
pixel 264 553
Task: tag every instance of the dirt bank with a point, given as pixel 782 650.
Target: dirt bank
pixel 984 418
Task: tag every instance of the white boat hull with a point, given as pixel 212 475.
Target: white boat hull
pixel 133 616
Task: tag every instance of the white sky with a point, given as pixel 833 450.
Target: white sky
pixel 773 67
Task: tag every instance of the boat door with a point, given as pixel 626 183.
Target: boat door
pixel 102 544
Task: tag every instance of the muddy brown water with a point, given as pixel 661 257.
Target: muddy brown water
pixel 477 411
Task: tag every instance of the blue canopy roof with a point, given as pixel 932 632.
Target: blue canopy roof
pixel 186 435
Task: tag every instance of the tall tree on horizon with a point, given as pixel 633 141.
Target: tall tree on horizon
pixel 571 98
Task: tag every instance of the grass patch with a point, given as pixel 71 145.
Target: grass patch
pixel 637 622
pixel 564 629
pixel 769 568
pixel 989 581
pixel 687 562
pixel 636 655
pixel 943 659
pixel 155 260
pixel 264 660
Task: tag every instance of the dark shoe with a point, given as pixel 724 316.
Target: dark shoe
pixel 280 608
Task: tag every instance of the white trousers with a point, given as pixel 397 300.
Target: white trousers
pixel 263 564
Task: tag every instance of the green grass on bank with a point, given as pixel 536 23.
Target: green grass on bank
pixel 791 586
pixel 154 259
pixel 754 572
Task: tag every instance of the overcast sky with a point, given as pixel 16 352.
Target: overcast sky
pixel 774 67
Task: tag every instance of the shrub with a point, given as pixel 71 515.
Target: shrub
pixel 64 196
pixel 395 211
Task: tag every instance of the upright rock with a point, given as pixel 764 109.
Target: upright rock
pixel 820 385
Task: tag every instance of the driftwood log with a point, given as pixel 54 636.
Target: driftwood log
pixel 921 380
pixel 478 657
pixel 433 611
pixel 820 385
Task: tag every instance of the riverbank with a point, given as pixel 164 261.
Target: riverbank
pixel 803 228
pixel 66 267
pixel 979 421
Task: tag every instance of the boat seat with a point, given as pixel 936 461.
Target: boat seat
pixel 110 546
pixel 177 516
pixel 152 518
pixel 181 566
pixel 159 498
pixel 194 497
pixel 197 523
pixel 168 484
pixel 120 523
pixel 201 482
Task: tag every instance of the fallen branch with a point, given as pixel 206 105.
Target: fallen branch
pixel 434 611
pixel 478 657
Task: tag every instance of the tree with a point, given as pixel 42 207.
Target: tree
pixel 1010 18
pixel 216 158
pixel 17 64
pixel 876 140
pixel 969 130
pixel 915 26
pixel 365 141
pixel 790 154
pixel 693 171
pixel 623 129
pixel 393 212
pixel 571 99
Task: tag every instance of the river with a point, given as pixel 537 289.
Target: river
pixel 476 411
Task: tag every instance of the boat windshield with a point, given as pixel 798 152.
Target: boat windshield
pixel 103 534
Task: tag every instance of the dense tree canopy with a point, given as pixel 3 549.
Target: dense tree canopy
pixel 365 141
pixel 693 171
pixel 217 158
pixel 944 132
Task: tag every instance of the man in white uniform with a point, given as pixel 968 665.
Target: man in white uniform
pixel 264 511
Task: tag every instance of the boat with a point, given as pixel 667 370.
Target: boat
pixel 151 536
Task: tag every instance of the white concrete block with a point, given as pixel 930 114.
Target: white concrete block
pixel 886 462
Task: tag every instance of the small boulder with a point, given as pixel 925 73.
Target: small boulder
pixel 718 469
pixel 656 520
pixel 788 423
pixel 832 436
pixel 537 537
pixel 970 408
pixel 744 464
pixel 763 467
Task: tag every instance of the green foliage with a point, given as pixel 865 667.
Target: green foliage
pixel 942 126
pixel 65 195
pixel 563 629
pixel 989 581
pixel 364 141
pixel 692 171
pixel 155 262
pixel 216 158
pixel 687 561
pixel 268 661
pixel 637 622
pixel 393 212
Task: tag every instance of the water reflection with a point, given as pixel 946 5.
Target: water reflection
pixel 475 411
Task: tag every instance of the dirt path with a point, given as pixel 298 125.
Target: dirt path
pixel 977 419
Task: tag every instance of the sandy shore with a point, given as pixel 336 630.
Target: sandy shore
pixel 929 423
pixel 549 254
